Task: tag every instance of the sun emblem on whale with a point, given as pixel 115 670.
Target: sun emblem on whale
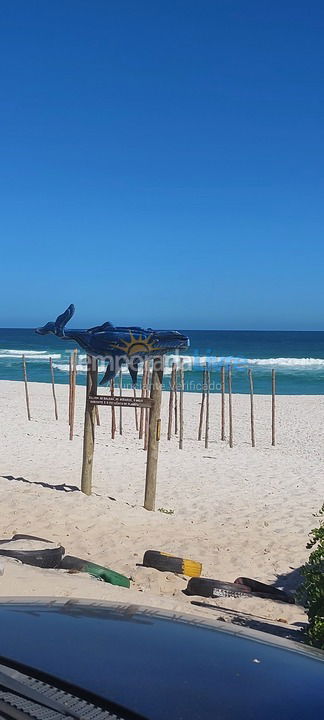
pixel 136 345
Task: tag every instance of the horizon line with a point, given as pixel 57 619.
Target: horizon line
pixel 194 329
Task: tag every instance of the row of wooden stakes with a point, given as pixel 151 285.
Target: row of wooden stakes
pixel 204 406
pixel 175 408
pixel 142 414
pixel 141 417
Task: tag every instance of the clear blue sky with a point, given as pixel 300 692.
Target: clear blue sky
pixel 162 162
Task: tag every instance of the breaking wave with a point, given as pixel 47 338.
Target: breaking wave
pixel 288 362
pixel 198 362
pixel 64 367
pixel 29 355
pixel 4 352
pixel 195 362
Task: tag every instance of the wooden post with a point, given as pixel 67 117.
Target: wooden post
pixel 207 405
pixel 96 406
pixel 181 404
pixel 136 414
pixel 73 383
pixel 26 386
pixel 176 402
pixel 223 402
pixel 89 427
pixel 70 387
pixel 230 406
pixel 202 405
pixel 113 413
pixel 154 433
pixel 171 398
pixel 120 409
pixel 252 407
pixel 147 411
pixel 273 423
pixel 145 366
pixel 53 388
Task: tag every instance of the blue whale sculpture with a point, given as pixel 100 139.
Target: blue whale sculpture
pixel 117 345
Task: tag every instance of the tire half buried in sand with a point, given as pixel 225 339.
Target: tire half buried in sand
pixel 170 563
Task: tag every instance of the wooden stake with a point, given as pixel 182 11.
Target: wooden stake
pixel 145 366
pixel 147 411
pixel 273 423
pixel 120 409
pixel 26 386
pixel 181 404
pixel 223 402
pixel 230 406
pixel 96 406
pixel 171 398
pixel 97 415
pixel 202 405
pixel 113 413
pixel 89 427
pixel 53 388
pixel 176 402
pixel 154 432
pixel 136 414
pixel 73 383
pixel 207 406
pixel 70 387
pixel 252 407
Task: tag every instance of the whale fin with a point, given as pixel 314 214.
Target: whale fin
pixel 57 327
pixel 63 319
pixel 99 328
pixel 133 370
pixel 109 375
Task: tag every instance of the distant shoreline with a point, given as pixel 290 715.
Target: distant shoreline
pixel 105 389
pixel 297 357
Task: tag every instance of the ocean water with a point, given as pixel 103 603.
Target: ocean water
pixel 297 357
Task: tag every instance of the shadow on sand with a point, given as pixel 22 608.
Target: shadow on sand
pixel 63 487
pixel 289 632
pixel 289 581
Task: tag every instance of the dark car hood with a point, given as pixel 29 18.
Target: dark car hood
pixel 164 665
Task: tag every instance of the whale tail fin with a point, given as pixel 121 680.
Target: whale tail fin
pixel 109 375
pixel 57 327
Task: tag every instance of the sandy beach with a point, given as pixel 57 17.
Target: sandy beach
pixel 241 512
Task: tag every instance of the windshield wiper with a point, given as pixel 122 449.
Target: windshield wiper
pixel 7 682
pixel 11 712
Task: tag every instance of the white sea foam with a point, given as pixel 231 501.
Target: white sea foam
pixel 288 362
pixel 29 355
pixel 198 362
pixel 5 351
pixel 64 367
pixel 194 361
